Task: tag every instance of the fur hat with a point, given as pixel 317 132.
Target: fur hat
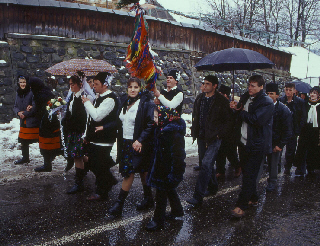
pixel 272 87
pixel 175 74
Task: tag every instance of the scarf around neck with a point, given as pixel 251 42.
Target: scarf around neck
pixel 312 114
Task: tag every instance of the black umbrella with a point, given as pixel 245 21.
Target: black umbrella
pixel 302 87
pixel 234 59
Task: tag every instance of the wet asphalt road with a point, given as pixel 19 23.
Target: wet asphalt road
pixel 37 211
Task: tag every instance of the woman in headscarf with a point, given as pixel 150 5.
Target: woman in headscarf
pixel 49 131
pixel 168 164
pixel 24 107
pixel 134 143
pixel 309 140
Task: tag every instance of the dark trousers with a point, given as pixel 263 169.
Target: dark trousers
pixel 100 163
pixel 273 160
pixel 161 204
pixel 202 147
pixel 290 152
pixel 207 175
pixel 251 165
pixel 227 150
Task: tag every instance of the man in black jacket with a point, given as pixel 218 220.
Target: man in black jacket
pixel 210 122
pixel 101 134
pixel 299 118
pixel 254 114
pixel 281 133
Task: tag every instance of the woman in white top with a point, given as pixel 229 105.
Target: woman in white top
pixel 134 143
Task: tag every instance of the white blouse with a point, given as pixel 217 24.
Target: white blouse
pixel 128 120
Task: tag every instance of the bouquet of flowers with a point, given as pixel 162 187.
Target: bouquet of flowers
pixel 55 103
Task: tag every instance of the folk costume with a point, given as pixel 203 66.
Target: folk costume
pixel 103 112
pixel 29 126
pixel 168 165
pixel 174 97
pixel 49 131
pixel 136 124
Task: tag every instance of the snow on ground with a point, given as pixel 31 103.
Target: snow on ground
pixel 10 151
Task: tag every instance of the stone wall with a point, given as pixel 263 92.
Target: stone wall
pixel 31 55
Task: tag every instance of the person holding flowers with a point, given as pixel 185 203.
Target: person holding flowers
pixel 49 131
pixel 74 126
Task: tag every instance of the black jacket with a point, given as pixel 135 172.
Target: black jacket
pixel 219 118
pixel 282 125
pixel 299 114
pixel 259 120
pixel 143 127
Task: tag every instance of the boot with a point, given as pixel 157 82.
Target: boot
pixel 70 163
pixel 116 209
pixel 47 166
pixel 78 186
pixel 25 155
pixel 147 202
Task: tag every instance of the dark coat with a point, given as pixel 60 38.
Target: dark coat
pixel 219 118
pixel 168 164
pixel 21 103
pixel 259 120
pixel 282 125
pixel 143 128
pixel 299 114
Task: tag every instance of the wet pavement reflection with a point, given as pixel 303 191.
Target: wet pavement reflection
pixel 37 211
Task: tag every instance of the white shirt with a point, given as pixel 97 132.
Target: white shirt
pixel 244 127
pixel 97 114
pixel 175 102
pixel 128 120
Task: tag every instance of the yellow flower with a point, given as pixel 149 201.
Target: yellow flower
pixel 48 108
pixel 57 104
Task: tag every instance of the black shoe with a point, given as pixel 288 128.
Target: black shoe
pixel 174 215
pixel 270 187
pixel 21 161
pixel 146 203
pixel 43 168
pixel 116 209
pixel 194 202
pixel 299 173
pixel 197 168
pixel 154 226
pixel 287 170
pixel 76 188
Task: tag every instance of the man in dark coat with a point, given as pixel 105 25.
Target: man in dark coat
pixel 210 122
pixel 281 133
pixel 172 96
pixel 299 118
pixel 254 114
pixel 228 148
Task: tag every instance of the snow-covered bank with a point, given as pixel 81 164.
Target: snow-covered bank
pixel 10 151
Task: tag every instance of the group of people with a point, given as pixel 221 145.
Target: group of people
pixel 150 137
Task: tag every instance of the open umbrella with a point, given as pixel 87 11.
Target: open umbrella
pixel 89 66
pixel 234 59
pixel 301 86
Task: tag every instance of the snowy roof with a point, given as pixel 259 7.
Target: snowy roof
pixel 304 63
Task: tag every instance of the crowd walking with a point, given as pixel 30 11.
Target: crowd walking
pixel 149 133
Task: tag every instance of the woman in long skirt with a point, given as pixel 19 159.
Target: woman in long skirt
pixel 24 107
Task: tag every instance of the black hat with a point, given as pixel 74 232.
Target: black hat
pixel 315 88
pixel 272 87
pixel 225 90
pixel 212 79
pixel 175 74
